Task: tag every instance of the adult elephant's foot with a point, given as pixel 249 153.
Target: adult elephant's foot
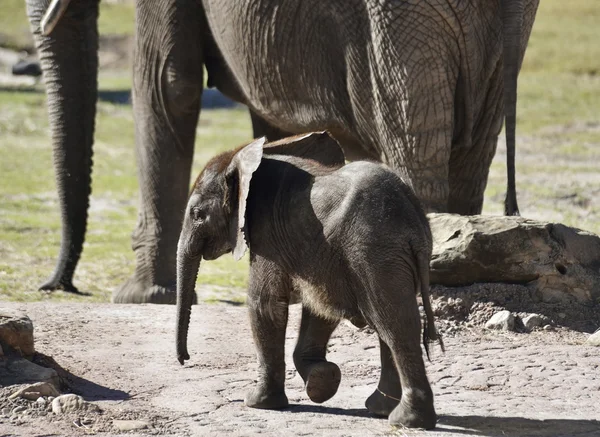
pixel 415 413
pixel 323 381
pixel 135 290
pixel 381 403
pixel 262 397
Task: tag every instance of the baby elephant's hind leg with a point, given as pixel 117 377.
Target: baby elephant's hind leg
pixel 403 336
pixel 389 391
pixel 322 378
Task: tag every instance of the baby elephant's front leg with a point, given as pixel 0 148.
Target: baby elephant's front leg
pixel 268 318
pixel 322 377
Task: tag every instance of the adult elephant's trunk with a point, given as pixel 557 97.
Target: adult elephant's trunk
pixel 187 272
pixel 69 60
pixel 512 21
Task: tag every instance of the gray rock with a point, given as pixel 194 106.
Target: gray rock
pixel 130 425
pixel 16 331
pixel 560 263
pixel 502 320
pixel 534 320
pixel 594 339
pixel 34 391
pixel 21 371
pixel 19 409
pixel 71 403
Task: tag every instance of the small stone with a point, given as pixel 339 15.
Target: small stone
pixel 594 339
pixel 6 411
pixel 18 409
pixel 130 425
pixel 41 401
pixel 562 315
pixel 502 320
pixel 534 320
pixel 70 403
pixel 547 328
pixel 51 398
pixel 34 391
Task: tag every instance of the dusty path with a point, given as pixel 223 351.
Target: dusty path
pixel 487 384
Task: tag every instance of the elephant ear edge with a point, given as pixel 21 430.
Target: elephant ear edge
pixel 317 146
pixel 245 162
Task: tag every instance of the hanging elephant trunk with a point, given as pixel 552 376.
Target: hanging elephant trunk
pixel 512 24
pixel 69 60
pixel 187 273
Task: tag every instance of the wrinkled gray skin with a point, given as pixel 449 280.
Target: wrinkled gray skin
pixel 348 242
pixel 416 85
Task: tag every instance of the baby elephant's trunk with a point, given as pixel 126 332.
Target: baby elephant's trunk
pixel 429 332
pixel 187 272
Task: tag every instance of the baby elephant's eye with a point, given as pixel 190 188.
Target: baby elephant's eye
pixel 198 214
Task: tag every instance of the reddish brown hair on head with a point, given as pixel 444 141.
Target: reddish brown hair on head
pixel 218 164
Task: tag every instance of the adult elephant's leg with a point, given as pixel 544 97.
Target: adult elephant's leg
pixel 262 128
pixel 167 87
pixel 469 166
pixel 389 391
pixel 322 378
pixel 69 60
pixel 468 177
pixel 414 126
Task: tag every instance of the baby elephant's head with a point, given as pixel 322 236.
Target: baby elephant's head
pixel 213 224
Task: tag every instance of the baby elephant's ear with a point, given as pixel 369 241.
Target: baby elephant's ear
pixel 244 164
pixel 318 146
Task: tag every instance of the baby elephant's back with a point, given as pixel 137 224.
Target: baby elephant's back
pixel 368 205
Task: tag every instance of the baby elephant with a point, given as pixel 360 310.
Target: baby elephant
pixel 347 241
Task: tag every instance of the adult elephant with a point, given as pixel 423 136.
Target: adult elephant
pixel 415 84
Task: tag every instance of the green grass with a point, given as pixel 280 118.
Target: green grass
pixel 29 217
pixel 558 151
pixel 115 19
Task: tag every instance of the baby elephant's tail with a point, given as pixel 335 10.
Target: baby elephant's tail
pixel 429 332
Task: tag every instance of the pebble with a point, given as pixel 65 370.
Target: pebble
pixel 18 409
pixel 130 425
pixel 70 403
pixel 534 320
pixel 594 339
pixel 502 320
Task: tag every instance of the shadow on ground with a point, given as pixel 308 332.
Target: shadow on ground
pixel 211 97
pixel 518 426
pixel 354 412
pixel 85 388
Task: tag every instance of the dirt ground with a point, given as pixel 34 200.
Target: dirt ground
pixel 122 358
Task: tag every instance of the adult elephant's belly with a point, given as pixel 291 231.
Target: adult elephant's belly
pixel 294 77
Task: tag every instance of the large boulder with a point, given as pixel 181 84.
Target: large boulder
pixel 562 264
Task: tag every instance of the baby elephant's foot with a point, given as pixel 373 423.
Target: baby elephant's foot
pixel 382 404
pixel 323 381
pixel 260 397
pixel 419 413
